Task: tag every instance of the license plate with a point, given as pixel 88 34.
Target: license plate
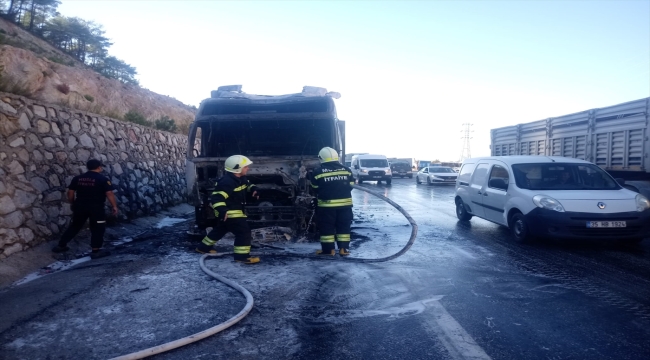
pixel 376 177
pixel 402 172
pixel 606 224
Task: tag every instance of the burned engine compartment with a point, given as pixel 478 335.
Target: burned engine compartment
pixel 285 193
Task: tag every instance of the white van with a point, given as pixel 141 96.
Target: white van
pixel 550 196
pixel 371 168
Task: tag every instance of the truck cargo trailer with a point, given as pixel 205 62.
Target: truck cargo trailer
pixel 614 138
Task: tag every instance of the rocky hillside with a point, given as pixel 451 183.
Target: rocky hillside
pixel 30 67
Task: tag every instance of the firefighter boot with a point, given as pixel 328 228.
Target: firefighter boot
pixel 327 249
pixel 205 249
pixel 246 259
pixel 344 252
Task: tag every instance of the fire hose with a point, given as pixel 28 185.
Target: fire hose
pixel 249 298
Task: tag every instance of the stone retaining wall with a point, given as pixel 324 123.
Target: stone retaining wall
pixel 43 146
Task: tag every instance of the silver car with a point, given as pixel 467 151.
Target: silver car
pixel 436 175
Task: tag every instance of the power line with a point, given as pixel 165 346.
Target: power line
pixel 467 131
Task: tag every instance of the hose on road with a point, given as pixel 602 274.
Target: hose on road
pixel 249 298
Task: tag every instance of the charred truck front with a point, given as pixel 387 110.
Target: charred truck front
pixel 280 134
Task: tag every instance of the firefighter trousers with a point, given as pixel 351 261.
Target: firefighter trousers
pixel 334 225
pixel 80 214
pixel 239 228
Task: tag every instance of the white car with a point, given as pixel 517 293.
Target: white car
pixel 436 175
pixel 550 196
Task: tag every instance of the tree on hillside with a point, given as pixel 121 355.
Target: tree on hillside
pixel 40 12
pixel 32 14
pixel 82 39
pixel 115 68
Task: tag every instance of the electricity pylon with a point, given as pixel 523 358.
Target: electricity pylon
pixel 467 136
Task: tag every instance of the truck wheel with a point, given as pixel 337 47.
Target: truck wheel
pixel 389 181
pixel 519 228
pixel 428 180
pixel 410 176
pixel 360 181
pixel 461 211
pixel 417 180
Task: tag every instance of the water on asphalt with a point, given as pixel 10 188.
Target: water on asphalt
pixel 463 291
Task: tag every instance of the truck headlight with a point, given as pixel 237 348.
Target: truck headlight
pixel 364 170
pixel 642 203
pixel 388 172
pixel 548 203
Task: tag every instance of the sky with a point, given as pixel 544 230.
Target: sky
pixel 410 73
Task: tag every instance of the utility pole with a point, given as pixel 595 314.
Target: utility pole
pixel 467 135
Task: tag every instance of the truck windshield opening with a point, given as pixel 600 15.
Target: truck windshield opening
pixel 265 137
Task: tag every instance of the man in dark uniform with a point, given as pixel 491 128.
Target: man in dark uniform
pixel 228 201
pixel 91 190
pixel 333 185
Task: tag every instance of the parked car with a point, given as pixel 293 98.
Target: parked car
pixel 369 167
pixel 436 175
pixel 550 196
pixel 401 169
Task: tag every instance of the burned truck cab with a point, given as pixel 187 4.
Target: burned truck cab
pixel 280 134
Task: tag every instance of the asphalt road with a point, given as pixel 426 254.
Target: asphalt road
pixel 463 291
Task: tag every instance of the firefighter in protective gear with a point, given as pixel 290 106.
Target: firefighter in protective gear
pixel 228 201
pixel 332 183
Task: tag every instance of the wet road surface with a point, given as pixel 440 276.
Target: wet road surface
pixel 463 291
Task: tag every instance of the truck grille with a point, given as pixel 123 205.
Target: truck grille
pixel 376 173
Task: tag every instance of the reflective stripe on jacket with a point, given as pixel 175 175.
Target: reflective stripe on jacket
pixel 332 183
pixel 229 195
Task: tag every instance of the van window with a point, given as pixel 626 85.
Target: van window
pixel 499 178
pixel 374 163
pixel 466 173
pixel 480 174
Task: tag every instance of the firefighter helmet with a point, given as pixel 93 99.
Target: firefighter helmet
pixel 235 163
pixel 328 154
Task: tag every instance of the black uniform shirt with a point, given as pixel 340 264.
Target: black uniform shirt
pixel 90 188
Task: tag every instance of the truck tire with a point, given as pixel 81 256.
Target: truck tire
pixel 428 180
pixel 411 176
pixel 389 181
pixel 417 180
pixel 360 181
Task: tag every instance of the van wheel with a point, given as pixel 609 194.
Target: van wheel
pixel 461 211
pixel 519 228
pixel 428 180
pixel 417 180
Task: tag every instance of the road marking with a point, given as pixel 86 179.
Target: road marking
pixel 458 343
pixel 453 337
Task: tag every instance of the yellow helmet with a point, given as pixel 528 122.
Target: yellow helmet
pixel 328 154
pixel 235 163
